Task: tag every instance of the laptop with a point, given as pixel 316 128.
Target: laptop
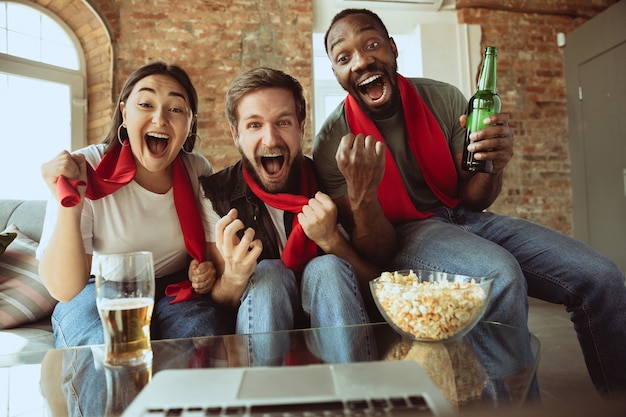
pixel 381 388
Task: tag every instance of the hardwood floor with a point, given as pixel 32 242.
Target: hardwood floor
pixel 566 390
pixel 562 373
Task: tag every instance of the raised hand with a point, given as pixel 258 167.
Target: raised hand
pixel 65 164
pixel 239 254
pixel 361 160
pixel 319 221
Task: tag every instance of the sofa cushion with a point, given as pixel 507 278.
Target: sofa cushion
pixel 28 215
pixel 23 297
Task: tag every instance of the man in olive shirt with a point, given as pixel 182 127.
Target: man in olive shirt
pixel 390 158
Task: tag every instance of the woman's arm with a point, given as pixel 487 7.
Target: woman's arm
pixel 63 266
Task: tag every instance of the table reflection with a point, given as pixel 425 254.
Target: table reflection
pixel 487 366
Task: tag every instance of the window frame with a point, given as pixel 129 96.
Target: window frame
pixel 75 79
pixel 25 68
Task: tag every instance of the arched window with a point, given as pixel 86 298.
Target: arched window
pixel 42 96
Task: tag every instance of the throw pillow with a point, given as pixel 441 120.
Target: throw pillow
pixel 5 239
pixel 23 297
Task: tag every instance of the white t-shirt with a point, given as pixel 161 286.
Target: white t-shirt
pixel 132 218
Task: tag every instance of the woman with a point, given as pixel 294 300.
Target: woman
pixel 146 173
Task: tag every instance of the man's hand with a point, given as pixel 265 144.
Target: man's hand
pixel 202 276
pixel 239 255
pixel 493 143
pixel 319 221
pixel 479 190
pixel 361 160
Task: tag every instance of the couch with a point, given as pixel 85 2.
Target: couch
pixel 25 305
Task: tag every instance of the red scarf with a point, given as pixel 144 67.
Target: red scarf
pixel 299 249
pixel 429 147
pixel 117 169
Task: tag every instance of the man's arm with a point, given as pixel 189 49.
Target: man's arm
pixel 361 160
pixel 372 235
pixel 319 222
pixel 479 190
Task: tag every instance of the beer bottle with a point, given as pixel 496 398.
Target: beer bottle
pixel 482 105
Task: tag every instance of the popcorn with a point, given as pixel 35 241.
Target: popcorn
pixel 431 310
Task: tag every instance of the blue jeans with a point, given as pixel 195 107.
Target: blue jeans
pixel 327 292
pixel 527 258
pixel 77 322
pixel 495 346
pixel 86 381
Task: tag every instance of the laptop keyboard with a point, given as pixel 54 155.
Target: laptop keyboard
pixel 414 405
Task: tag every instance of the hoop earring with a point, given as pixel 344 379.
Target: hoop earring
pixel 119 135
pixel 185 147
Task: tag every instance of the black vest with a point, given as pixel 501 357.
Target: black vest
pixel 227 189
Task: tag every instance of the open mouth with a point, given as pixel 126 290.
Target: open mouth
pixel 157 142
pixel 272 164
pixel 374 87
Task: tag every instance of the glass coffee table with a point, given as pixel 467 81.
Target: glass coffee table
pixel 489 367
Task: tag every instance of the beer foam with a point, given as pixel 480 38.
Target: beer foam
pixel 124 303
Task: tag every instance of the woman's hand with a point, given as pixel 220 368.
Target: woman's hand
pixel 65 164
pixel 202 276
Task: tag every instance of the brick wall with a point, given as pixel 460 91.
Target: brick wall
pixel 532 86
pixel 215 40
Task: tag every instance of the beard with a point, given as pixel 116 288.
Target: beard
pixel 386 112
pixel 395 103
pixel 291 186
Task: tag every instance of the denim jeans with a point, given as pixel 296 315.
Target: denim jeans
pixel 327 292
pixel 77 322
pixel 495 346
pixel 86 381
pixel 527 258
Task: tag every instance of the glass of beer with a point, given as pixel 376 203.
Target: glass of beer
pixel 125 299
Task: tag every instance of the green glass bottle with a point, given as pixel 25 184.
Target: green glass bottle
pixel 482 105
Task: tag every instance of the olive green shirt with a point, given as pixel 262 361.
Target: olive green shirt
pixel 445 102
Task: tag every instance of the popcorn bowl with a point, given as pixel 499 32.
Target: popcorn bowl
pixel 431 306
